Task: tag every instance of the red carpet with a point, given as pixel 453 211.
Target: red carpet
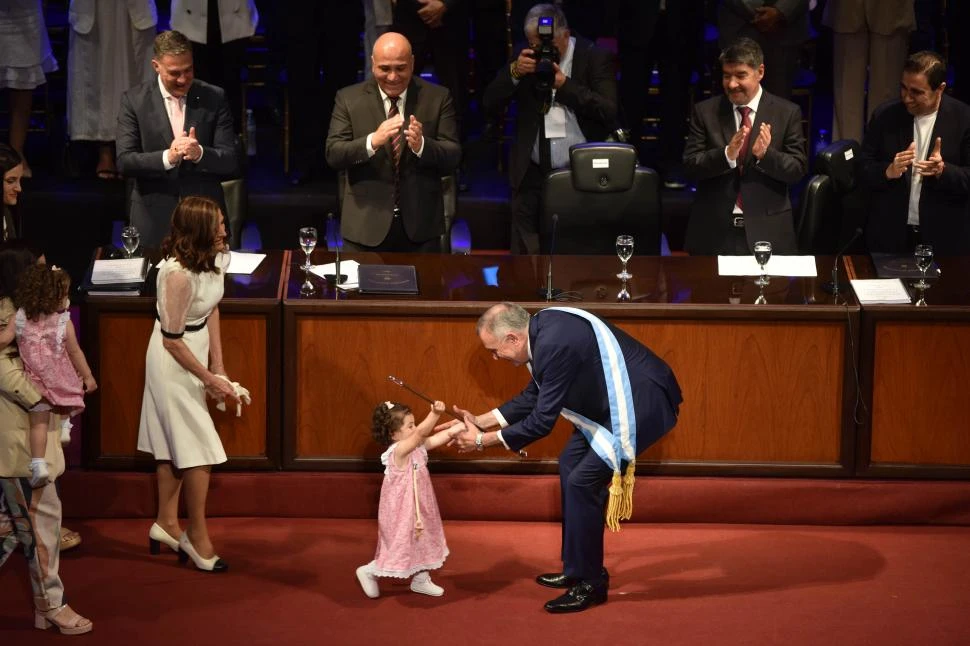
pixel 292 582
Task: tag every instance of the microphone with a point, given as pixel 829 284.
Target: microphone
pixel 336 277
pixel 833 286
pixel 549 293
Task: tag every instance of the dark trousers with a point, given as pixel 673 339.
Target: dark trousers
pixel 584 481
pixel 446 46
pixel 322 45
pixel 526 207
pixel 397 240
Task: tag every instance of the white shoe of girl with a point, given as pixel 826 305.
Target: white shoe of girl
pixel 422 584
pixel 39 475
pixel 66 427
pixel 368 582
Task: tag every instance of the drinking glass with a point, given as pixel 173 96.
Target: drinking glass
pixel 624 249
pixel 308 240
pixel 624 294
pixel 130 238
pixel 924 258
pixel 762 253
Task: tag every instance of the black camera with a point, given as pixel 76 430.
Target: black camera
pixel 546 54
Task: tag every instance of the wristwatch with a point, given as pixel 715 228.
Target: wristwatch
pixel 478 441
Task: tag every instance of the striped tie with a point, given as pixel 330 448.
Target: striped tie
pixel 396 146
pixel 745 121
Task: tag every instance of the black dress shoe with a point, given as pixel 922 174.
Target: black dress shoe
pixel 556 580
pixel 581 596
pixel 560 580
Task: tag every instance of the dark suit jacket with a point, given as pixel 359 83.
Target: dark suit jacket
pixel 144 131
pixel 734 21
pixel 944 214
pixel 764 184
pixel 590 92
pixel 368 199
pixel 567 372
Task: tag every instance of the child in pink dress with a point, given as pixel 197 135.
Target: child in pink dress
pixel 411 540
pixel 52 358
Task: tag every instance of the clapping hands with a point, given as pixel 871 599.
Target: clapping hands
pixel 185 146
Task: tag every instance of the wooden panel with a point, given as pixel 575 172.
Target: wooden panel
pixel 920 407
pixel 244 353
pixel 754 391
pixel 122 342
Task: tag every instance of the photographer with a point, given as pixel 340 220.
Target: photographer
pixel 565 88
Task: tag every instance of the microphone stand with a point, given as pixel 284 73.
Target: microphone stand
pixel 833 287
pixel 336 277
pixel 549 292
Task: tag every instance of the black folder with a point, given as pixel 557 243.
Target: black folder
pixel 387 279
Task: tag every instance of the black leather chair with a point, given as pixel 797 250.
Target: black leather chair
pixel 819 219
pixel 603 194
pixel 834 207
pixel 237 206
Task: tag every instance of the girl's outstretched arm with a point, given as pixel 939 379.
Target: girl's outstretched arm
pixel 419 436
pixel 77 358
pixel 443 437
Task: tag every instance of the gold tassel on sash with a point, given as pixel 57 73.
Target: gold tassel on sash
pixel 620 506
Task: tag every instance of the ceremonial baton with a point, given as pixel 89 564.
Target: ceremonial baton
pixel 400 382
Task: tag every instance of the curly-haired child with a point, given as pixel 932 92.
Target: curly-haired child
pixel 52 358
pixel 411 540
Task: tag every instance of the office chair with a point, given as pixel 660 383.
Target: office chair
pixel 603 194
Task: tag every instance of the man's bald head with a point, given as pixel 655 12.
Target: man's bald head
pixel 392 63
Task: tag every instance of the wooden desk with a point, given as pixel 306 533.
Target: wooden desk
pixel 915 367
pixel 766 387
pixel 115 333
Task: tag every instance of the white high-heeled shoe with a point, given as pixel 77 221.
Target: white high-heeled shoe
pixel 186 551
pixel 156 536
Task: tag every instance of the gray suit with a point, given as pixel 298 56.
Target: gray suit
pixel 368 198
pixel 144 131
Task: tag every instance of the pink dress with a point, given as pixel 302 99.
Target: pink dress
pixel 402 549
pixel 46 362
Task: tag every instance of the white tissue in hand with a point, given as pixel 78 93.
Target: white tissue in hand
pixel 241 392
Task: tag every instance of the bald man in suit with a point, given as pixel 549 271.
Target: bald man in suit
pixel 395 136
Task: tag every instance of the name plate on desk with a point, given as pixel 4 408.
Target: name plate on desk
pixel 387 279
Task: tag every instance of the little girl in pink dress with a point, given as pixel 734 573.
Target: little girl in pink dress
pixel 411 540
pixel 52 358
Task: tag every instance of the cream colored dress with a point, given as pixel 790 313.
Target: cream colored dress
pixel 175 421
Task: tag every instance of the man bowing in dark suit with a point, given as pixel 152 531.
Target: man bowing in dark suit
pixel 175 138
pixel 394 136
pixel 744 150
pixel 620 398
pixel 916 161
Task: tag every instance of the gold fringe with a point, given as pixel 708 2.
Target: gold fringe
pixel 620 506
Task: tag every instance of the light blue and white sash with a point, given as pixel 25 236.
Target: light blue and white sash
pixel 620 444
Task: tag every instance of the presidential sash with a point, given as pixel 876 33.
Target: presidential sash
pixel 619 443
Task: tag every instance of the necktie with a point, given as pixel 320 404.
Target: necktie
pixel 745 121
pixel 396 146
pixel 178 116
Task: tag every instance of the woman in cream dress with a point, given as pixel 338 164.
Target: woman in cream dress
pixel 183 365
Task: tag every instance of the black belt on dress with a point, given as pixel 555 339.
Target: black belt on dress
pixel 188 328
pixel 738 221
